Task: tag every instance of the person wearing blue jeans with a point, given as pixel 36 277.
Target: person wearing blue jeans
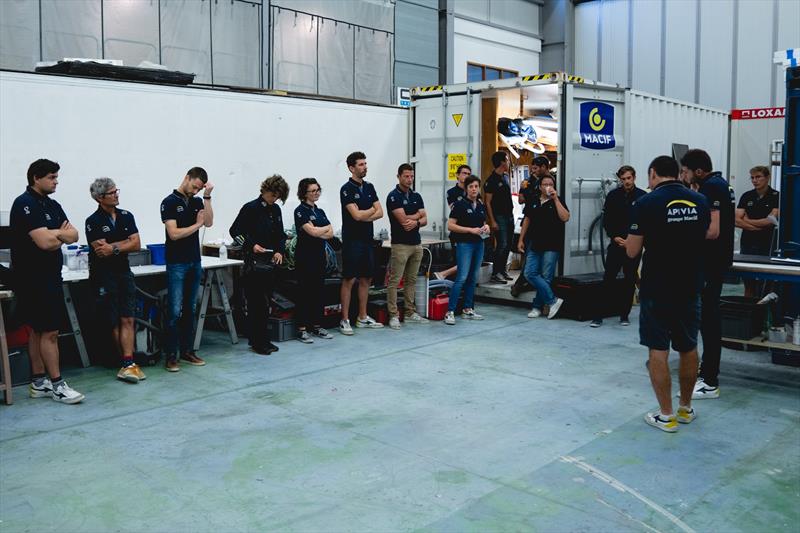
pixel 468 229
pixel 542 235
pixel 183 214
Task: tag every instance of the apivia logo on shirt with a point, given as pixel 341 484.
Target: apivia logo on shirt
pixel 681 211
pixel 597 126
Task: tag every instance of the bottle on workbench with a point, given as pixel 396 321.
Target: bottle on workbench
pixel 223 251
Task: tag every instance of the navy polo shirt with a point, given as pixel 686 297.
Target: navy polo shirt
pixel 306 244
pixel 528 190
pixel 758 207
pixel 411 202
pixel 720 197
pixel 100 225
pixel 673 220
pixel 184 212
pixel 500 190
pixel 545 230
pixel 364 196
pixel 454 193
pixel 31 211
pixel 259 223
pixel 468 215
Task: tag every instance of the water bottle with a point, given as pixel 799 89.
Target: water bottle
pixel 223 251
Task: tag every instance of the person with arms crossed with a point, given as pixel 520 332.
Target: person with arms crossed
pixel 39 227
pixel 757 216
pixel 670 223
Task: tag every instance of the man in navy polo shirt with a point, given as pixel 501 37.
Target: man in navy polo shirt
pixel 406 216
pixel 696 169
pixel 39 227
pixel 457 191
pixel 500 211
pixel 183 214
pixel 671 224
pixel 112 234
pixel 757 215
pixel 360 207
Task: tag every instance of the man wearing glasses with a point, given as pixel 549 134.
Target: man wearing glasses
pixel 757 215
pixel 112 234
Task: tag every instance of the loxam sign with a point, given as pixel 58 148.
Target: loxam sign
pixel 758 112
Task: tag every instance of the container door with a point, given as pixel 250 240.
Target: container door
pixel 593 122
pixel 446 134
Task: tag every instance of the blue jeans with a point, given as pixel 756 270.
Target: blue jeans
pixel 540 267
pixel 469 256
pixel 183 282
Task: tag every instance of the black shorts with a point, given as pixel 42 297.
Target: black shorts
pixel 358 259
pixel 117 294
pixel 663 321
pixel 40 302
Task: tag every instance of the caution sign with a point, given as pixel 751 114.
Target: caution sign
pixel 597 126
pixel 453 162
pixel 457 118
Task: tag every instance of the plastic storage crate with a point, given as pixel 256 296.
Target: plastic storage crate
pixel 741 317
pixel 281 329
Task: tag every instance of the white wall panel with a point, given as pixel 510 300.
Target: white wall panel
pixel 716 57
pixel 586 17
pixel 130 30
pixel 71 29
pixel 754 54
pixel 788 37
pixel 646 28
pixel 478 9
pixel 19 34
pixel 614 58
pixel 681 18
pixel 186 37
pixel 476 43
pixel 515 14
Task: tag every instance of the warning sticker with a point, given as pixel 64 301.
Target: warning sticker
pixel 457 118
pixel 453 162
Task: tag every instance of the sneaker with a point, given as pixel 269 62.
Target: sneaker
pixel 322 333
pixel 534 313
pixel 497 278
pixel 703 391
pixel 664 423
pixel 192 359
pixel 624 321
pixel 304 337
pixel 394 322
pixel 368 322
pixel 554 308
pixel 262 350
pixel 470 314
pixel 685 415
pixel 65 394
pixel 450 318
pixel 344 327
pixel 43 390
pixel 128 373
pixel 138 371
pixel 596 323
pixel 416 318
pixel 506 276
pixel 171 365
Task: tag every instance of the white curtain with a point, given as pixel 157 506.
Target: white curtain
pixel 71 29
pixel 235 43
pixel 19 34
pixel 186 37
pixel 336 59
pixel 373 66
pixel 294 53
pixel 130 30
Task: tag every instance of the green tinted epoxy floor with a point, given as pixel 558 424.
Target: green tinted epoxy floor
pixel 508 424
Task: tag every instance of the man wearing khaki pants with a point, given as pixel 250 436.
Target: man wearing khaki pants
pixel 407 215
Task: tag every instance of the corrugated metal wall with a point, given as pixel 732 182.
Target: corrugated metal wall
pixel 716 53
pixel 416 27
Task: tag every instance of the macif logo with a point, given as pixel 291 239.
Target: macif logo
pixel 597 126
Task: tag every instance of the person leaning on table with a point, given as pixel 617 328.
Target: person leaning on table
pixel 259 229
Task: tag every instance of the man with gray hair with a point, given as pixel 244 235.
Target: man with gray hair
pixel 112 234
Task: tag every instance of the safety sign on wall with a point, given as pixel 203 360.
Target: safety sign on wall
pixel 453 162
pixel 597 126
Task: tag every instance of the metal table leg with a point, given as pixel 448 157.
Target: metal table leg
pixel 6 385
pixel 208 279
pixel 76 328
pixel 226 306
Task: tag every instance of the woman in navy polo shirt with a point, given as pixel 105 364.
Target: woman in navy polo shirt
pixel 543 233
pixel 313 229
pixel 468 229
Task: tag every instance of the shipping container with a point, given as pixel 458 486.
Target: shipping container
pixel 587 129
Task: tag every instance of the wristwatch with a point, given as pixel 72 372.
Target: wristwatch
pixel 115 249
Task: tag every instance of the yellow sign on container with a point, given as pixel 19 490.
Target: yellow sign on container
pixel 453 162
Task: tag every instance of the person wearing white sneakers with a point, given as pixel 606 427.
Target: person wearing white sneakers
pixel 39 227
pixel 406 216
pixel 360 208
pixel 670 223
pixel 468 229
pixel 541 239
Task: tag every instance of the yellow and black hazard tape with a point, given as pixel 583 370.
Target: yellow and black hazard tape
pixel 430 89
pixel 537 77
pixel 576 79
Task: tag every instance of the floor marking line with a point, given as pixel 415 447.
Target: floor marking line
pixel 627 515
pixel 599 474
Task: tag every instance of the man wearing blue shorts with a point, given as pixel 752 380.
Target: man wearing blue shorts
pixel 671 224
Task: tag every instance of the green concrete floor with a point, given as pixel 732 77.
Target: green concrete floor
pixel 508 424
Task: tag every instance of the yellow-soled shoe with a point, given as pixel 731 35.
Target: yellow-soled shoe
pixel 664 423
pixel 129 374
pixel 685 415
